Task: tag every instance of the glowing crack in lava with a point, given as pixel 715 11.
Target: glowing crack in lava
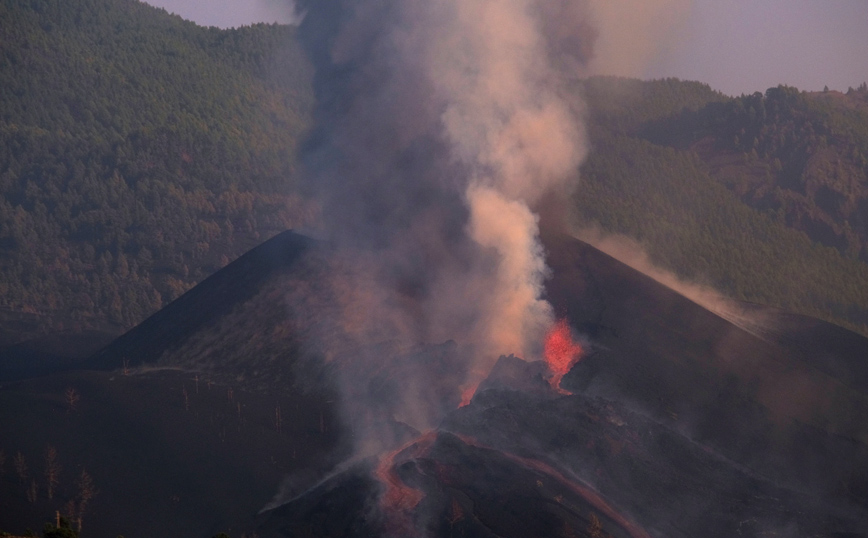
pixel 560 352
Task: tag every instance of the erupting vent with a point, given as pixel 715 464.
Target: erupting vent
pixel 560 352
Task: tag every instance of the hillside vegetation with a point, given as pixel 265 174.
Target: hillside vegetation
pixel 802 156
pixel 138 154
pixel 676 166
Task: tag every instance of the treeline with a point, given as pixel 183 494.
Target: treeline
pixel 625 106
pixel 669 178
pixel 801 155
pixel 138 153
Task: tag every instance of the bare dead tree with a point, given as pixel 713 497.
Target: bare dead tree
pixel 86 492
pixel 68 511
pixel 52 471
pixel 21 467
pixel 72 397
pixel 186 400
pixel 197 383
pixel 126 366
pixel 277 419
pixel 33 491
pixel 229 394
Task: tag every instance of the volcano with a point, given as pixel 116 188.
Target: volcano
pixel 675 420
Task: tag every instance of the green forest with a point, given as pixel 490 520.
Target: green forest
pixel 716 188
pixel 140 152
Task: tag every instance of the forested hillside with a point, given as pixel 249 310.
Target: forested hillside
pixel 138 153
pixel 802 156
pixel 679 168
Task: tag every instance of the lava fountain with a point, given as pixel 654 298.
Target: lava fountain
pixel 561 352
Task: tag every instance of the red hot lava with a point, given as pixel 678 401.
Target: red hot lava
pixel 560 352
pixel 398 499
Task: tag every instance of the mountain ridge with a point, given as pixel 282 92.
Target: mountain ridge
pixel 141 153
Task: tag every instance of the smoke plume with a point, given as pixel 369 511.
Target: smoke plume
pixel 439 128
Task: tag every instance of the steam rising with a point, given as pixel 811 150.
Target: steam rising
pixel 516 316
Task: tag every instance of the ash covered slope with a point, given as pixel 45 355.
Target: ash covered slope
pixel 261 323
pixel 167 455
pixel 673 406
pixel 652 348
pixel 681 424
pixel 157 341
pixel 789 403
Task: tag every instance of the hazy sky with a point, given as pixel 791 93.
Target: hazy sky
pixel 229 13
pixel 737 46
pixel 742 46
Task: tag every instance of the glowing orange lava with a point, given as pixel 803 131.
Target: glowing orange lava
pixel 399 499
pixel 560 352
pixel 467 394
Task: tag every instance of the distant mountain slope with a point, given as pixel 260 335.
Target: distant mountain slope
pixel 663 172
pixel 138 154
pixel 802 157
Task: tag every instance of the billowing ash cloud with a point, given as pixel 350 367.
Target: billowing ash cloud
pixel 440 127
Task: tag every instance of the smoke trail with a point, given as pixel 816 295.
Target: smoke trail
pixel 439 128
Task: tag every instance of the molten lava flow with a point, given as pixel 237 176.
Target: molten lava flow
pixel 399 499
pixel 561 353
